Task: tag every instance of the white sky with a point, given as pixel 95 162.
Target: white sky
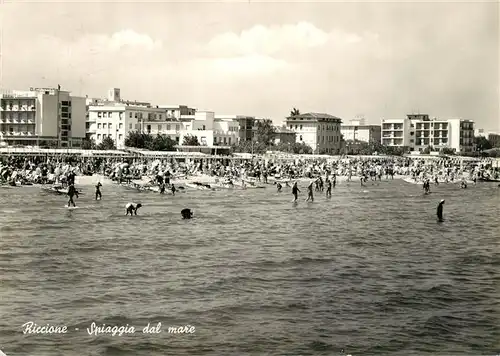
pixel 249 58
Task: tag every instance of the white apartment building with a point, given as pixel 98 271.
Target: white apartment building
pixel 203 124
pixel 116 120
pixel 396 132
pixel 319 131
pixel 419 132
pixel 357 130
pixel 42 116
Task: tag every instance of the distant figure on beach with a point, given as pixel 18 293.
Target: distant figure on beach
pixel 279 186
pixel 440 210
pixel 98 194
pixel 186 213
pixel 310 192
pixel 71 193
pixel 295 191
pixel 172 189
pixel 132 208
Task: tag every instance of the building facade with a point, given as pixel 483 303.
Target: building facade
pixel 396 133
pixel 357 130
pixel 284 135
pixel 319 131
pixel 419 132
pixel 42 117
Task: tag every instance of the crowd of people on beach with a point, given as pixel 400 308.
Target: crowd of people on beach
pixel 40 170
pixel 159 175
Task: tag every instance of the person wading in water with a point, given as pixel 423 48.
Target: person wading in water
pixel 71 193
pixel 440 211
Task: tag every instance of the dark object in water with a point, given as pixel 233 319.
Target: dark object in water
pixel 186 213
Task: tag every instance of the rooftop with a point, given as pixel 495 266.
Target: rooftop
pixel 284 130
pixel 313 116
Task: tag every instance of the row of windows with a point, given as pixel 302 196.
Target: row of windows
pixel 103 136
pixel 160 127
pixel 109 125
pixel 321 127
pixel 225 140
pixel 321 139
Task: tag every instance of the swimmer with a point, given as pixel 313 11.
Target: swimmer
pixel 186 213
pixel 98 191
pixel 440 210
pixel 132 208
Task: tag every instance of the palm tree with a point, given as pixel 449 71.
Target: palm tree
pixel 294 112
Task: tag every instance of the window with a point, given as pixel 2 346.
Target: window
pixel 225 140
pixel 203 127
pixel 301 127
pixel 98 136
pixel 229 140
pixel 99 114
pixel 98 125
pixel 120 126
pixel 296 127
pixel 130 126
pixel 159 128
pixel 215 140
pixel 109 125
pixel 120 136
pixel 148 128
pixel 65 103
pixel 109 135
pixel 130 115
pixel 177 139
pixel 176 127
pixel 300 138
pixel 121 115
pixel 168 127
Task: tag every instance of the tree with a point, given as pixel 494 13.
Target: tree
pixel 250 147
pixel 89 144
pixel 265 132
pixel 162 143
pixel 447 151
pixel 107 144
pixel 190 140
pixel 138 140
pixel 294 112
pixel 482 143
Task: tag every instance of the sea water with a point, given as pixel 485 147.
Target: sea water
pixel 368 271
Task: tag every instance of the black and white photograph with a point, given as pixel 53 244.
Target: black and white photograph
pixel 249 178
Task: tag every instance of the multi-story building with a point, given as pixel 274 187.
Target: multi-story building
pixel 42 117
pixel 396 132
pixel 419 132
pixel 357 130
pixel 319 131
pixel 284 135
pixel 247 125
pixel 117 119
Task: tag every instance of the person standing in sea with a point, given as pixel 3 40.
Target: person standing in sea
pixel 98 194
pixel 295 191
pixel 71 193
pixel 440 210
pixel 310 192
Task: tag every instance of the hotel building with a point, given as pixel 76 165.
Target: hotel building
pixel 419 132
pixel 42 117
pixel 319 131
pixel 357 130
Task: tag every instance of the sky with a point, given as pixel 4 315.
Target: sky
pixel 370 59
